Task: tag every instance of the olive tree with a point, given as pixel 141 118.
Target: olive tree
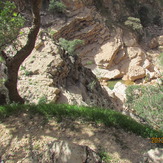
pixel 11 22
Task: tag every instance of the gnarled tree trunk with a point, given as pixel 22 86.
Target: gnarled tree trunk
pixel 13 63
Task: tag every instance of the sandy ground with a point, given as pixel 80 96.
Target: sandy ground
pixel 24 136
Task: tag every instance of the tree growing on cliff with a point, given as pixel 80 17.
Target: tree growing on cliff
pixel 11 23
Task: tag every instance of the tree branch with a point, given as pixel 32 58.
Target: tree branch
pixel 23 53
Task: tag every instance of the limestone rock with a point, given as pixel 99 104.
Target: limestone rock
pixel 107 74
pixel 119 91
pixel 66 152
pixel 154 156
pixel 108 52
pixel 136 72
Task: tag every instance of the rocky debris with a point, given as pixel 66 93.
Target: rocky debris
pixel 66 152
pixel 153 156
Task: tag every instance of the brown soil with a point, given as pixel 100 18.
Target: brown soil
pixel 24 136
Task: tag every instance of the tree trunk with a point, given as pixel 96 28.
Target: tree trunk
pixel 11 83
pixel 13 63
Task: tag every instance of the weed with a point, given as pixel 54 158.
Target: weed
pixel 56 7
pixel 28 73
pixel 104 156
pixel 70 46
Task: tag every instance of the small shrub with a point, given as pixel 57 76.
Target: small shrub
pixel 104 156
pixel 70 46
pixel 134 23
pixel 28 73
pixel 56 7
pixel 89 63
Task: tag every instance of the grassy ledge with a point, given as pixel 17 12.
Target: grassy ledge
pixel 107 117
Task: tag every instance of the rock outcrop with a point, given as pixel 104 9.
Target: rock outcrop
pixel 66 152
pixel 55 76
pixel 110 54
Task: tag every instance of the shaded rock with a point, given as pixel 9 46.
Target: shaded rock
pixel 134 52
pixel 65 152
pixel 129 39
pixel 109 51
pixel 107 74
pixel 78 84
pixel 153 156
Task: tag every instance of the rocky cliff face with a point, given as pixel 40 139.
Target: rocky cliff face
pixel 112 49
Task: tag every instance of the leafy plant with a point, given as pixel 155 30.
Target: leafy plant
pixel 11 22
pixel 104 156
pixel 70 46
pixel 134 23
pixel 56 7
pixel 28 73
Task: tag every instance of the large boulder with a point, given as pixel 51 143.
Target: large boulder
pixel 66 152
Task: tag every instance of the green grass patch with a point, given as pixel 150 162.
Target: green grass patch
pixel 147 101
pixel 107 117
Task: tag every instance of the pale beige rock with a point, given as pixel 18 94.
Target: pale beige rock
pixel 136 72
pixel 107 74
pixel 160 40
pixel 146 64
pixel 120 91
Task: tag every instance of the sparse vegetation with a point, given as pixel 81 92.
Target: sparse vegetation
pixel 133 23
pixel 105 116
pixel 70 46
pixel 147 103
pixel 56 7
pixel 104 156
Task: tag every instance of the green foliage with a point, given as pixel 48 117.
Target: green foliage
pixel 56 7
pixel 147 102
pixel 11 22
pixel 161 59
pixel 70 46
pixel 42 100
pixel 134 23
pixel 104 156
pixel 105 116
